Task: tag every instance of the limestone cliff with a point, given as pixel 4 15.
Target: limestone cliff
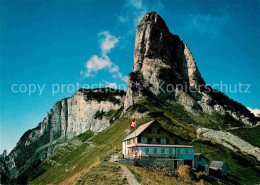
pixel 164 66
pixel 66 119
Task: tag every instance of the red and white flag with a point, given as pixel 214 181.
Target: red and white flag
pixel 133 123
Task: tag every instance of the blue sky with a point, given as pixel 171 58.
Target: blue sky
pixel 65 42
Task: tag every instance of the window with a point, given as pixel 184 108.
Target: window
pixel 153 139
pixel 187 151
pixel 163 150
pixel 147 150
pixel 178 150
pixel 155 150
pixel 163 141
pixel 176 141
pixel 143 140
pixel 170 150
pixel 153 131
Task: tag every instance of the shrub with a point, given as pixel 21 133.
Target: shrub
pixel 156 114
pixel 186 173
pixel 103 94
pixel 99 114
pixel 208 178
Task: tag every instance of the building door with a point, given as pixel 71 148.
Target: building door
pixel 175 164
pixel 188 162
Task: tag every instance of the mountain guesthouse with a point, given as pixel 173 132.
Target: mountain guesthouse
pixel 152 140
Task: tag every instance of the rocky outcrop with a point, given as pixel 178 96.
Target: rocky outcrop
pixel 165 66
pixel 230 141
pixel 66 119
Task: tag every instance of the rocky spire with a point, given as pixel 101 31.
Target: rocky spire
pixel 165 66
pixel 157 49
pixel 161 59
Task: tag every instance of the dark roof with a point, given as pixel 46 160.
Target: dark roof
pixel 217 164
pixel 138 131
pixel 201 155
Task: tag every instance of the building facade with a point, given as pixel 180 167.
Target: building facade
pixel 218 168
pixel 152 140
pixel 200 161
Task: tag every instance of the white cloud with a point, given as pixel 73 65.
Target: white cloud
pixel 138 4
pixel 110 84
pixel 107 42
pixel 256 112
pixel 135 9
pixel 132 14
pixel 121 76
pixel 123 19
pixel 211 24
pixel 96 63
pixel 114 69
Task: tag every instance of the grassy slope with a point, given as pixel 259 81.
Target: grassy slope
pixel 239 169
pixel 155 178
pixel 249 134
pixel 104 173
pixel 176 119
pixel 75 164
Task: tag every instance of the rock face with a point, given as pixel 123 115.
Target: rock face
pixel 164 66
pixel 67 118
pixel 230 141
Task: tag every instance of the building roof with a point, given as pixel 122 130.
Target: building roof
pixel 159 145
pixel 201 155
pixel 138 131
pixel 217 164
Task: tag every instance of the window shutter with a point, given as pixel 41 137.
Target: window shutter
pixel 167 141
pixel 158 140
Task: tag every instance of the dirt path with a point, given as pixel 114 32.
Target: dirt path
pixel 129 175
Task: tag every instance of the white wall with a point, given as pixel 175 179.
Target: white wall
pixel 124 147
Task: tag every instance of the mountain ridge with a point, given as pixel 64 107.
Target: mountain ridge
pixel 68 118
pixel 159 57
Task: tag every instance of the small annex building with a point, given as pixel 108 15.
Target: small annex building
pixel 200 161
pixel 218 168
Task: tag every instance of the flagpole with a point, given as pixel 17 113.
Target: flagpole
pixel 135 134
pixel 135 139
